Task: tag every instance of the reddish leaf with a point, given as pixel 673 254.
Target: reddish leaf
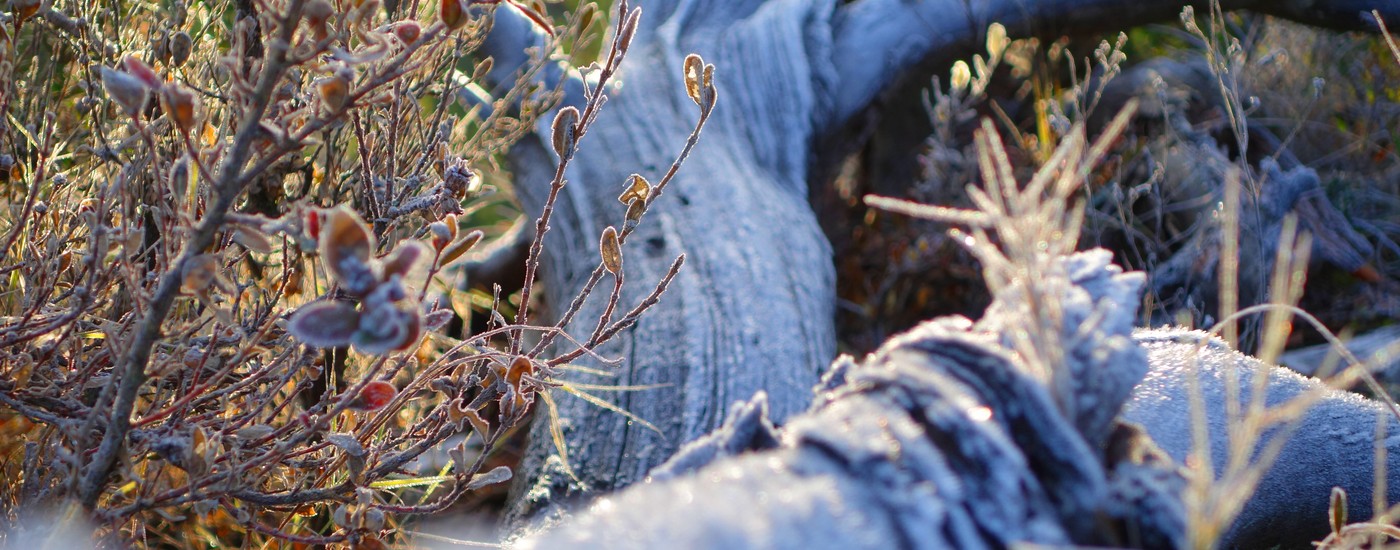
pixel 375 395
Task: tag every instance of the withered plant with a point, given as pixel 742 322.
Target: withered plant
pixel 225 301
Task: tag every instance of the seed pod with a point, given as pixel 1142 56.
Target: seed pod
pixel 453 14
pixel 565 132
pixel 180 104
pixel 334 91
pixel 611 251
pixel 181 45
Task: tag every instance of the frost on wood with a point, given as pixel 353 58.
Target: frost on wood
pixel 939 439
pixel 1332 444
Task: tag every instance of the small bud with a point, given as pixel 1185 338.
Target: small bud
pixel 565 132
pixel 1337 512
pixel 611 251
pixel 314 218
pixel 996 40
pixel 453 14
pixel 962 76
pixel 442 235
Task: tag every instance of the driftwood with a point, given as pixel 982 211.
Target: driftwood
pixel 752 310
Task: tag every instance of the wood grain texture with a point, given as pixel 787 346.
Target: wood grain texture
pixel 752 310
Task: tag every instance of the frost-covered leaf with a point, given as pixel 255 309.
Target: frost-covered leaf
pixel 404 258
pixel 347 443
pixel 325 324
pixel 386 328
pixel 375 395
pixel 256 431
pixel 437 319
pixel 346 244
pixel 496 475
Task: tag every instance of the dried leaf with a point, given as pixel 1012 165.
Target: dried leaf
pixel 437 319
pixel 199 274
pixel 638 189
pixel 346 243
pixel 334 91
pixel 611 251
pixel 134 66
pixel 325 324
pixel 346 442
pixel 256 431
pixel 693 72
pixel 404 257
pixel 253 238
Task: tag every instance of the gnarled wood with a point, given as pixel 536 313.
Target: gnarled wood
pixel 752 310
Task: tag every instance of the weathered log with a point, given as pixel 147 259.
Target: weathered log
pixel 1331 445
pixel 752 311
pixel 942 439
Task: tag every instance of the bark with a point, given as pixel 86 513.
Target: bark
pixel 752 309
